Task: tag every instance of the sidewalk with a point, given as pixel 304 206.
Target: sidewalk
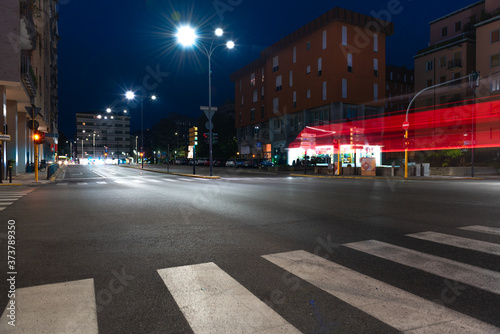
pixel 28 179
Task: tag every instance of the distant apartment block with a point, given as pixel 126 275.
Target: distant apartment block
pixel 28 77
pixel 400 87
pixel 329 70
pixel 102 136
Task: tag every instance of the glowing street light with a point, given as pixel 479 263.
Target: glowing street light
pixel 131 96
pixel 186 36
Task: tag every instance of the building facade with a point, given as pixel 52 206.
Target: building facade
pixel 102 136
pixel 28 78
pixel 488 54
pixel 399 89
pixel 331 69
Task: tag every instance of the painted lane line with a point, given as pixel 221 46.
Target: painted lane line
pixel 450 240
pixel 68 307
pixel 482 229
pixel 213 302
pixel 474 276
pixel 393 306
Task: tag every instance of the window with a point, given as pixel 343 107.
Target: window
pixel 429 83
pixel 344 88
pixel 295 99
pixel 262 93
pixel 262 113
pixel 275 64
pixel 242 100
pixel 279 81
pixel 344 35
pixel 495 36
pixel 444 32
pixel 442 79
pixel 375 43
pixel 262 74
pixel 308 46
pixel 458 26
pixel 349 62
pixel 240 85
pixel 252 114
pixel 252 79
pixel 276 104
pixel 428 65
pixel 375 67
pixel 324 39
pixel 320 66
pixel 375 92
pixel 290 79
pixel 255 95
pixel 495 60
pixel 240 118
pixel 324 90
pixel 308 94
pixel 495 85
pixel 308 69
pixel 294 57
pixel 391 76
pixel 442 61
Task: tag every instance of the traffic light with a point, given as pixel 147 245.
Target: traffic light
pixel 406 143
pixel 474 79
pixel 193 136
pixel 205 138
pixel 215 138
pixel 39 137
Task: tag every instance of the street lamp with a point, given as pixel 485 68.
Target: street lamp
pixel 131 96
pixel 186 36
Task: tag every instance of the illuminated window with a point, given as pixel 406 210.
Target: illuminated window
pixel 252 79
pixel 428 65
pixel 324 39
pixel 344 35
pixel 349 62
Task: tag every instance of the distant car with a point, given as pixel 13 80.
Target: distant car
pixel 266 163
pixel 253 163
pixel 240 162
pixel 231 163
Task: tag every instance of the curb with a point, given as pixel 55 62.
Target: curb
pixel 172 173
pixel 423 178
pixel 10 184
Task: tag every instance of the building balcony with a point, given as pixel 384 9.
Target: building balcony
pixel 455 63
pixel 28 76
pixel 28 30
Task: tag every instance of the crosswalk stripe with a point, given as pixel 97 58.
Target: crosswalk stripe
pixel 137 181
pixel 82 183
pixel 169 180
pixel 188 180
pixel 474 276
pixel 213 302
pixel 120 181
pixel 68 307
pixel 482 229
pixel 393 306
pixel 101 182
pixel 151 180
pixel 5 203
pixel 2 208
pixel 451 240
pixel 9 199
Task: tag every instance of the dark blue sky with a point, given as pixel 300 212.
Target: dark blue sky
pixel 110 46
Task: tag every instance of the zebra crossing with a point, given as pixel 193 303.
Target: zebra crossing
pixel 212 301
pixel 109 181
pixel 10 196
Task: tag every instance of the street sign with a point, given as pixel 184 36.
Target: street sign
pixel 209 125
pixel 4 137
pixel 33 125
pixel 33 111
pixel 207 113
pixel 54 135
pixel 406 125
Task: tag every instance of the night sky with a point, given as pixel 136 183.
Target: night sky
pixel 108 47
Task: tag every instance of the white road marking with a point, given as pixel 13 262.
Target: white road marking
pixel 213 302
pixel 68 307
pixel 151 180
pixel 477 245
pixel 482 229
pixel 101 182
pixel 5 203
pixel 62 184
pixel 393 306
pixel 187 180
pixel 474 276
pixel 82 183
pixel 170 180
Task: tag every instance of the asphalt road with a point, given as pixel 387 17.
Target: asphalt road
pixel 173 254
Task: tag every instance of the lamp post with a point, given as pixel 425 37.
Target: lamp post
pixel 131 96
pixel 186 36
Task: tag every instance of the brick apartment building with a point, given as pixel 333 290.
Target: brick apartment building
pixel 28 77
pixel 331 69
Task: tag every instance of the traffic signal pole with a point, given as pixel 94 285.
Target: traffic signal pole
pixel 36 162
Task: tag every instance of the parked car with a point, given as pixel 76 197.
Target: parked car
pixel 240 163
pixel 266 163
pixel 219 163
pixel 231 163
pixel 252 163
